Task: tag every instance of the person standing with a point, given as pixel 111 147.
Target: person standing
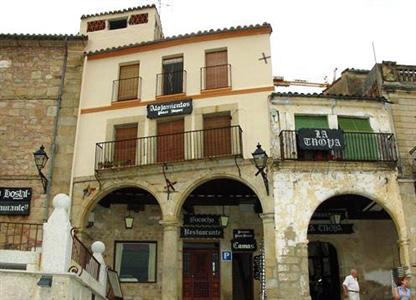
pixel 351 287
pixel 402 292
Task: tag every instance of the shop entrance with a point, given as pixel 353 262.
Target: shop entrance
pixel 201 274
pixel 242 276
pixel 323 271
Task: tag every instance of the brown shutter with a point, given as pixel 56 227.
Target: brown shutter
pixel 128 84
pixel 170 141
pixel 125 145
pixel 217 135
pixel 216 75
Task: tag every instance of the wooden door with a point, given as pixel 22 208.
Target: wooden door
pixel 216 75
pixel 217 136
pixel 170 141
pixel 128 84
pixel 125 145
pixel 201 274
pixel 243 276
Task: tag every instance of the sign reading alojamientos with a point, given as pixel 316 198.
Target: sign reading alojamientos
pixel 320 139
pixel 15 201
pixel 182 107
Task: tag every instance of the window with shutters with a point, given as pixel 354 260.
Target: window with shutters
pixel 171 81
pixel 127 87
pixel 217 135
pixel 216 73
pixel 170 141
pixel 125 145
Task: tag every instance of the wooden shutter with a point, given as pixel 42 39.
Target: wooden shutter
pixel 216 71
pixel 170 141
pixel 125 145
pixel 128 84
pixel 217 135
pixel 311 122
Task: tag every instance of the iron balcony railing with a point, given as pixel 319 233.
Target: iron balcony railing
pixel 84 258
pixel 170 83
pixel 359 146
pixel 20 236
pixel 127 89
pixel 188 145
pixel 215 77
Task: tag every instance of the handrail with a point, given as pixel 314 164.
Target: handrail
pixel 170 83
pixel 215 77
pixel 83 257
pixel 21 236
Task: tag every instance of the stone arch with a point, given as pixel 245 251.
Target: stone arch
pixel 196 183
pixel 107 190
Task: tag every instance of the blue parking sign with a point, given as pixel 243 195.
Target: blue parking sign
pixel 226 255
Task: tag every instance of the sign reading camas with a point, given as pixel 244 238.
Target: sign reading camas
pixel 320 139
pixel 15 201
pixel 182 107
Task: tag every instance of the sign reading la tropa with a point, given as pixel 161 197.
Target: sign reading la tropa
pixel 182 107
pixel 15 201
pixel 320 139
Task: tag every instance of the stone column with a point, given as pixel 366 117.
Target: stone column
pixel 269 238
pixel 57 240
pixel 404 252
pixel 170 264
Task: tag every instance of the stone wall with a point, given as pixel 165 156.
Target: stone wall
pixel 30 80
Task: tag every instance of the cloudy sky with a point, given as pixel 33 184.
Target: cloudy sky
pixel 310 37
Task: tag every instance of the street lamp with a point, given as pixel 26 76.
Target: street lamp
pixel 260 160
pixel 128 220
pixel 41 158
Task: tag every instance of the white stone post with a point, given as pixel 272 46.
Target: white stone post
pixel 98 249
pixel 57 240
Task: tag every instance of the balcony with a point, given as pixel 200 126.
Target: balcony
pixel 178 147
pixel 215 77
pixel 170 83
pixel 362 147
pixel 127 89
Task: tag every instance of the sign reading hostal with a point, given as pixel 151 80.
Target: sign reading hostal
pixel 15 201
pixel 320 139
pixel 175 108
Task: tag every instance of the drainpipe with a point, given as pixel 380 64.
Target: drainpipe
pixel 55 130
pixel 71 184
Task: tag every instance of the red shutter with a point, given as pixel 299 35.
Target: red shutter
pixel 170 141
pixel 125 145
pixel 216 75
pixel 128 84
pixel 217 136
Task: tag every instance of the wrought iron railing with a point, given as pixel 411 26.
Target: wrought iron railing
pixel 188 145
pixel 127 89
pixel 215 77
pixel 170 83
pixel 84 258
pixel 20 236
pixel 359 146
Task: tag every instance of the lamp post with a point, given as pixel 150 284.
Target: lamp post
pixel 41 158
pixel 260 160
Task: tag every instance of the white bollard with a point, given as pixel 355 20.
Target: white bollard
pixel 57 240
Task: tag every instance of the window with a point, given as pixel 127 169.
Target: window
pixel 312 122
pixel 216 70
pixel 128 83
pixel 136 261
pixel 217 135
pixel 117 24
pixel 172 76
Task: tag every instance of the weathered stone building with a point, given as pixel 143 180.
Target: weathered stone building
pixel 40 80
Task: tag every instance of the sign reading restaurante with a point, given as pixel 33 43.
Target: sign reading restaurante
pixel 320 139
pixel 202 232
pixel 183 107
pixel 15 201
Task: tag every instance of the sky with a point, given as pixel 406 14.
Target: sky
pixel 310 39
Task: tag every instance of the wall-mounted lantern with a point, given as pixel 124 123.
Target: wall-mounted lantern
pixel 260 160
pixel 41 158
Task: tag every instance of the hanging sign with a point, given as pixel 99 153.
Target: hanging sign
pixel 320 139
pixel 202 232
pixel 330 229
pixel 182 107
pixel 243 245
pixel 202 220
pixel 243 233
pixel 15 201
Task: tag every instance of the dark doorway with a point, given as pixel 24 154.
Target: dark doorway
pixel 201 273
pixel 323 271
pixel 242 276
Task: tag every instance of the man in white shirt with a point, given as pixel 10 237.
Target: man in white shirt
pixel 351 287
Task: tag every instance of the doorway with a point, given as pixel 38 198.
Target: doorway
pixel 201 273
pixel 323 271
pixel 242 276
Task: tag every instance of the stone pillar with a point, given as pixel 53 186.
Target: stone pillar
pixel 98 249
pixel 404 252
pixel 170 264
pixel 269 243
pixel 57 240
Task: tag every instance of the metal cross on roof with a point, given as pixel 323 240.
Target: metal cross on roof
pixel 264 57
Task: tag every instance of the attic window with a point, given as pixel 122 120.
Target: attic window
pixel 117 24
